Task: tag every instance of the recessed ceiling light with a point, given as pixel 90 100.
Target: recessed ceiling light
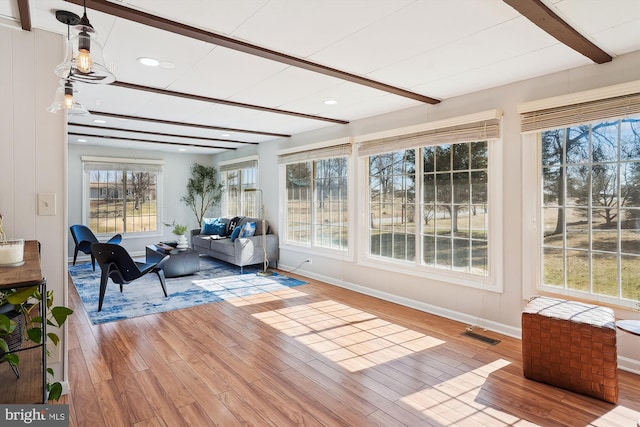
pixel 167 65
pixel 82 140
pixel 149 62
pixel 330 101
pixel 99 121
pixel 225 135
pixel 182 149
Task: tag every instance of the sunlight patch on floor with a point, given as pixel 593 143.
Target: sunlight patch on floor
pixel 352 338
pixel 452 402
pixel 286 293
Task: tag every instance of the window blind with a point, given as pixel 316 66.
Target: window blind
pixel 339 150
pixel 580 113
pixel 240 165
pixel 476 131
pixel 134 167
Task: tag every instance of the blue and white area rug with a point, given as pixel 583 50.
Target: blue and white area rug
pixel 216 281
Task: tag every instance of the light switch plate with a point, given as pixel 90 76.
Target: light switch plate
pixel 46 204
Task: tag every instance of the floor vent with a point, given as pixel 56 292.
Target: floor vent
pixel 481 338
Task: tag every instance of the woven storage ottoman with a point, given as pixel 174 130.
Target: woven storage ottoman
pixel 571 345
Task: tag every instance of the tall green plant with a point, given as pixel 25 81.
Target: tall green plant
pixel 203 190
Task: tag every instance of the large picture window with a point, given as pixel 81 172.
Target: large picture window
pixel 582 231
pixel 430 197
pixel 237 177
pixel 591 208
pixel 122 196
pixel 316 197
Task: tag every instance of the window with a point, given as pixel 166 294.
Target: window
pixel 122 195
pixel 586 176
pixel 392 204
pixel 316 201
pixel 429 200
pixel 591 208
pixel 237 177
pixel 454 209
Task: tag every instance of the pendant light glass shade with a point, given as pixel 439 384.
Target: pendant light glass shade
pixel 63 101
pixel 83 60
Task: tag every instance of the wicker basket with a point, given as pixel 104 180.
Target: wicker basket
pixel 14 339
pixel 571 345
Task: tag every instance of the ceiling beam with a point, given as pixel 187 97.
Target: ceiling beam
pixel 152 141
pixel 173 135
pixel 120 11
pixel 223 102
pixel 25 14
pixel 190 125
pixel 536 12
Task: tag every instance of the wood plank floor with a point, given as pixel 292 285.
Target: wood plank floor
pixel 312 355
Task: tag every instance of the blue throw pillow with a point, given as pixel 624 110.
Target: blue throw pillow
pixel 213 226
pixel 248 230
pixel 235 233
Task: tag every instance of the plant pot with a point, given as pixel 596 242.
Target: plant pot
pixel 183 243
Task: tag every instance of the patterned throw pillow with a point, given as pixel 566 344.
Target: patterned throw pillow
pixel 248 230
pixel 213 226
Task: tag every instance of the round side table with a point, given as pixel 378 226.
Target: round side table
pixel 633 327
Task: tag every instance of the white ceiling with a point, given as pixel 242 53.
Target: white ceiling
pixel 436 48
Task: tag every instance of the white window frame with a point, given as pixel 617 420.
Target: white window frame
pixel 532 281
pixel 494 280
pixel 86 192
pixel 229 165
pixel 335 253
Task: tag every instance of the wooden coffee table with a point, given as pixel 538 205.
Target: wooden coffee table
pixel 180 263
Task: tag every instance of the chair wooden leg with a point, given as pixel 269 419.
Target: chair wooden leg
pixel 160 273
pixel 75 255
pixel 104 278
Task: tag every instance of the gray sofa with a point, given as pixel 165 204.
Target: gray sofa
pixel 243 250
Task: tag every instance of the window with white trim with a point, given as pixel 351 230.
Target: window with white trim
pixel 589 204
pixel 122 195
pixel 316 197
pixel 236 178
pixel 430 198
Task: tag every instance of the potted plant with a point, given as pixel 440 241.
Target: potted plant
pixel 181 234
pixel 203 190
pixel 19 319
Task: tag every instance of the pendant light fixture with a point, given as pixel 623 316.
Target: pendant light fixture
pixel 84 61
pixel 63 99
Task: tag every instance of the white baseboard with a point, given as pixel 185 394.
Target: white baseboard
pixel 624 363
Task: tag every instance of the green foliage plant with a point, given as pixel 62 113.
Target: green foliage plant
pixel 25 300
pixel 203 190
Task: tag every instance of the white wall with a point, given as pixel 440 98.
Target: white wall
pixel 176 172
pixel 497 311
pixel 33 154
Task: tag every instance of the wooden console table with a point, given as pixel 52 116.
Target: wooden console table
pixel 24 276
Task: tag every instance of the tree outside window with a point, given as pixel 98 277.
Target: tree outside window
pixel 591 208
pixel 122 199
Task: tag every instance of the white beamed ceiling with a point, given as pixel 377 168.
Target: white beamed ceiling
pixel 436 48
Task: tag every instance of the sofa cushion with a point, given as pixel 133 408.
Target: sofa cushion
pixel 248 229
pixel 233 223
pixel 213 226
pixel 235 233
